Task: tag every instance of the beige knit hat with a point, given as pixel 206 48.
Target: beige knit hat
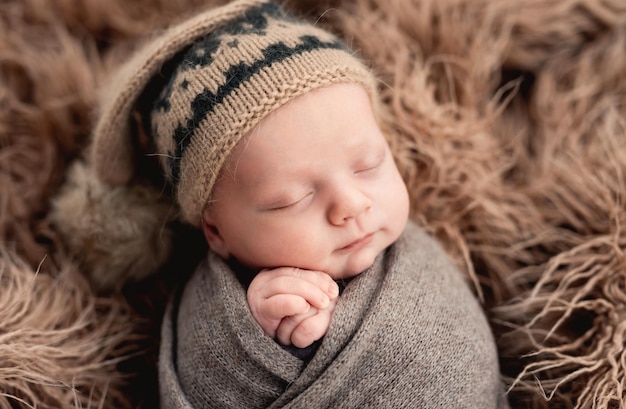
pixel 220 73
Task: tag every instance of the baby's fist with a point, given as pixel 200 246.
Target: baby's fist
pixel 275 294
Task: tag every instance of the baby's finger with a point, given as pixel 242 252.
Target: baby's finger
pixel 288 324
pixel 286 284
pixel 284 305
pixel 310 330
pixel 319 279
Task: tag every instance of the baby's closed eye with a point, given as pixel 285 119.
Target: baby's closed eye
pixel 370 163
pixel 287 203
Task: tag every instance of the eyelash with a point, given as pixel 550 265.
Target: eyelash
pixel 376 165
pixel 292 204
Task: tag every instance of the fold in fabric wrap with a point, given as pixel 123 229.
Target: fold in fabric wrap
pixel 407 332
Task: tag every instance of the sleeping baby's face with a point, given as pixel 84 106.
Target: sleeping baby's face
pixel 313 186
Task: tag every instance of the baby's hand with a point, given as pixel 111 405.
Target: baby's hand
pixel 286 292
pixel 303 329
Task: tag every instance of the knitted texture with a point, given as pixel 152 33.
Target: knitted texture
pixel 232 66
pixel 406 333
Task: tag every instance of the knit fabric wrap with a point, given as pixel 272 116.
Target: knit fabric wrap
pixel 406 333
pixel 234 65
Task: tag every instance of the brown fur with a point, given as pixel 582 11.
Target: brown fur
pixel 60 344
pixel 507 119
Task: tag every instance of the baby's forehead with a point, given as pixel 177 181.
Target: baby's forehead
pixel 256 160
pixel 332 123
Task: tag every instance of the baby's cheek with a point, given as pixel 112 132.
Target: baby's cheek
pixel 398 204
pixel 302 250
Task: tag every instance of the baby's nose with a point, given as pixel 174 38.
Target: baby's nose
pixel 348 204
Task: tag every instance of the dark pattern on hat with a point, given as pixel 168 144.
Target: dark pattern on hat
pixel 201 54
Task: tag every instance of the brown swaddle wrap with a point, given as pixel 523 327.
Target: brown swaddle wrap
pixel 406 333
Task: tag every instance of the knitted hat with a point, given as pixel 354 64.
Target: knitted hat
pixel 232 66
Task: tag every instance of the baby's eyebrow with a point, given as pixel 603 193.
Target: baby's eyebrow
pixel 260 183
pixel 284 174
pixel 368 151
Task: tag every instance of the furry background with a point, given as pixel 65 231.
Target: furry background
pixel 508 123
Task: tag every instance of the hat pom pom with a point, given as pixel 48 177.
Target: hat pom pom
pixel 118 234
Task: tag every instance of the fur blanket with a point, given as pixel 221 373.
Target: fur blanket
pixel 508 120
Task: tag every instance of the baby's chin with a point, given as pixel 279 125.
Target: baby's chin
pixel 354 265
